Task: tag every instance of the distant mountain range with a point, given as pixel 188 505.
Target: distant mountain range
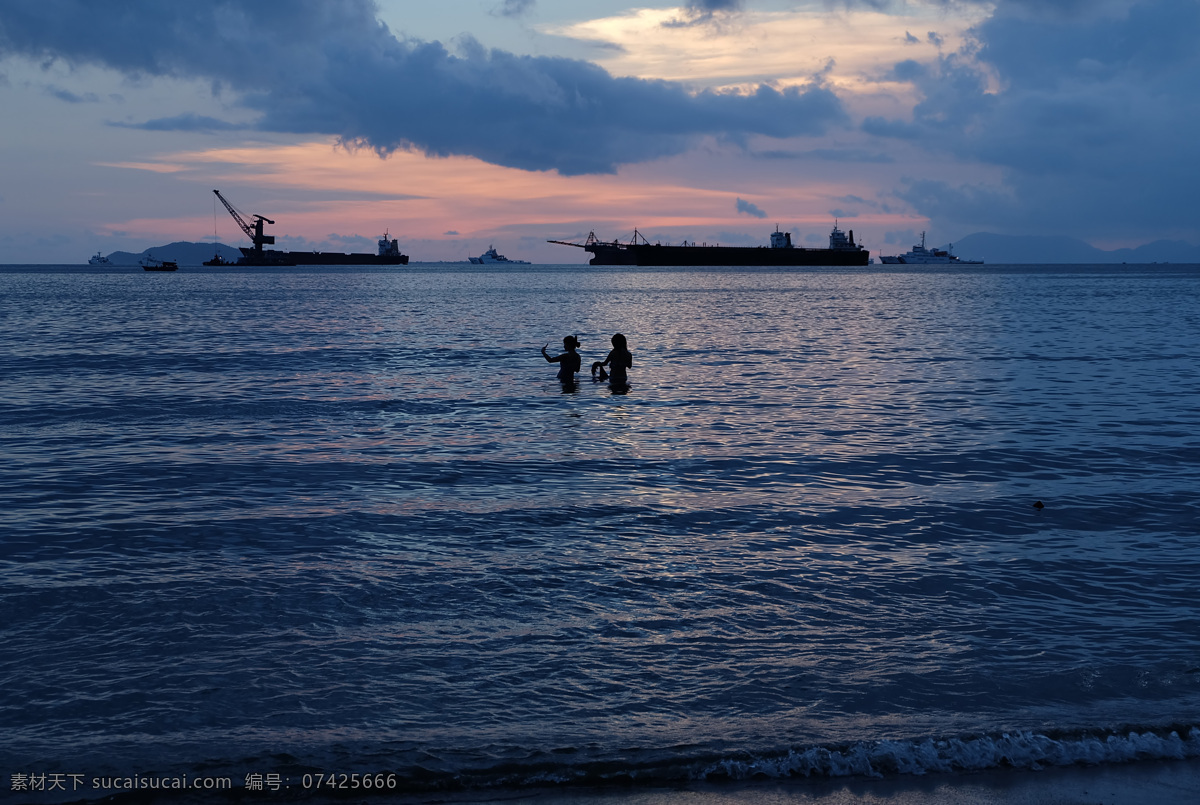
pixel 183 252
pixel 1001 249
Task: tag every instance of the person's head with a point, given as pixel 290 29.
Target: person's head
pixel 570 342
pixel 618 341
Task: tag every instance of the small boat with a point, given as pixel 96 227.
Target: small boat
pixel 149 263
pixel 490 257
pixel 99 260
pixel 925 257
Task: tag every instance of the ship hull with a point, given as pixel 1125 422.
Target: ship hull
pixel 919 261
pixel 620 254
pixel 275 258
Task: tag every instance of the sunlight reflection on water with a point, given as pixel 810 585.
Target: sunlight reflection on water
pixel 337 502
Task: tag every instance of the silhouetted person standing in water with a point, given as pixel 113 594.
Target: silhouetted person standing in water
pixel 568 361
pixel 619 360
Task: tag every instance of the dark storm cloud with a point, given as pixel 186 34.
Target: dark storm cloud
pixel 895 129
pixel 514 8
pixel 1092 118
pixel 829 155
pixel 71 97
pixel 877 5
pixel 315 67
pixel 708 6
pixel 750 209
pixel 187 122
pixel 1038 7
pixel 701 12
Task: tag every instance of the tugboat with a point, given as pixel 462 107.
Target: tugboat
pixel 149 263
pixel 99 260
pixel 490 257
pixel 922 256
pixel 842 251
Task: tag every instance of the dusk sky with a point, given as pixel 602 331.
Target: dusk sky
pixel 464 123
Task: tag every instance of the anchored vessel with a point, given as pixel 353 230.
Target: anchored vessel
pixel 842 251
pixel 99 260
pixel 490 257
pixel 389 250
pixel 922 256
pixel 149 263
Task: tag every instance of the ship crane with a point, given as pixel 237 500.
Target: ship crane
pixel 592 240
pixel 255 232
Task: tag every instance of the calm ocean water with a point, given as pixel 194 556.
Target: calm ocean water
pixel 346 521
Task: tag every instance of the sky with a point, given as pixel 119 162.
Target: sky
pixel 463 124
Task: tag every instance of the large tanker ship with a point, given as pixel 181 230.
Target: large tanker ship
pixel 389 250
pixel 842 251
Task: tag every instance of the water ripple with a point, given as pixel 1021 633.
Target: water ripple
pixel 353 515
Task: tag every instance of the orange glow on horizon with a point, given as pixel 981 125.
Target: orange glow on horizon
pixel 454 206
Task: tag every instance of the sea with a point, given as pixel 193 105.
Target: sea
pixel 306 529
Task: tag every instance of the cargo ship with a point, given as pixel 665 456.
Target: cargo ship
pixel 842 251
pixel 388 255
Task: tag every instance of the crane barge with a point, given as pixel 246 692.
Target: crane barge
pixel 389 250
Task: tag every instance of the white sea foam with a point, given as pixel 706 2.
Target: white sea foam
pixel 1023 750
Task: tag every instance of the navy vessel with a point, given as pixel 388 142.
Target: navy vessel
pixel 388 255
pixel 490 257
pixel 920 256
pixel 842 251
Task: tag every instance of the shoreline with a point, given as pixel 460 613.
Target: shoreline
pixel 1162 782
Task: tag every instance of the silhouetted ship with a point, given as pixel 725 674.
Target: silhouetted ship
pixel 920 256
pixel 149 263
pixel 389 255
pixel 389 250
pixel 842 251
